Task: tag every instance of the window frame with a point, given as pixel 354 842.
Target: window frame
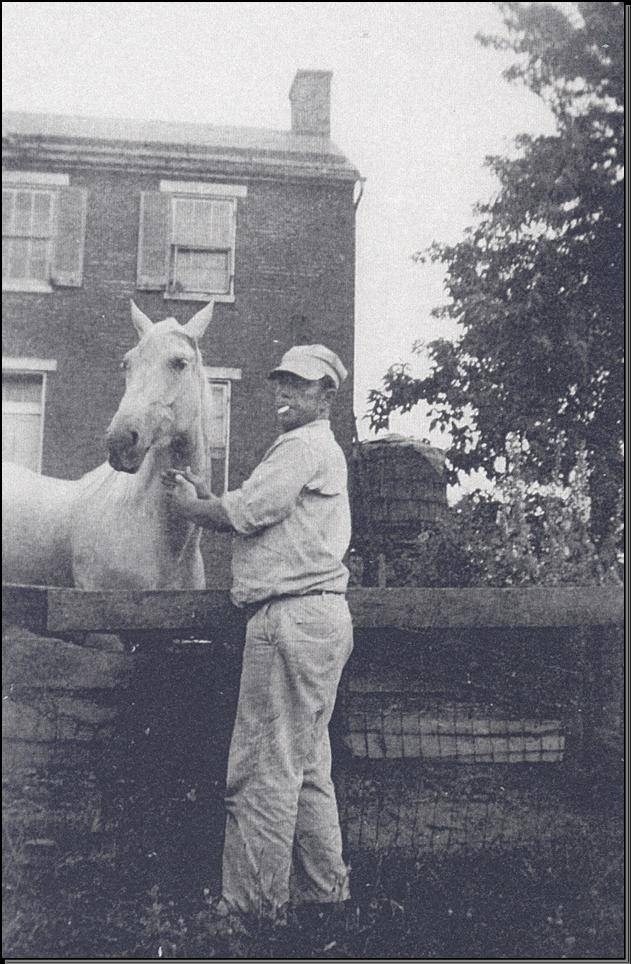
pixel 224 377
pixel 35 181
pixel 30 366
pixel 209 192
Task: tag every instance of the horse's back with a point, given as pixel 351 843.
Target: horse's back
pixel 35 523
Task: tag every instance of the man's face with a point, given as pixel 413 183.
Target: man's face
pixel 299 401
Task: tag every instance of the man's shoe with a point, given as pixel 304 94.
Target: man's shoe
pixel 225 922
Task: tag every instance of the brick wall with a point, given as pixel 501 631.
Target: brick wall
pixel 294 281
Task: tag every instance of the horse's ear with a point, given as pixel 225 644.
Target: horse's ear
pixel 141 322
pixel 198 324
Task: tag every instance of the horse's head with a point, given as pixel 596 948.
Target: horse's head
pixel 164 389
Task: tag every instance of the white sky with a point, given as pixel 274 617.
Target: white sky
pixel 417 104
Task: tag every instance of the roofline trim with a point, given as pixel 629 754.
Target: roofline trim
pixel 168 160
pixel 45 178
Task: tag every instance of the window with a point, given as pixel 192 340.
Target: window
pixel 220 390
pixel 43 229
pixel 23 400
pixel 186 244
pixel 27 234
pixel 201 246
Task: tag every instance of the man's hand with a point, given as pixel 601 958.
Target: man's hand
pixel 184 492
pixel 201 486
pixel 181 493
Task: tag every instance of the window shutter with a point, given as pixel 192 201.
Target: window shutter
pixel 153 240
pixel 233 248
pixel 67 268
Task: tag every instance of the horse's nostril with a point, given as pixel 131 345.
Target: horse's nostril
pixel 133 436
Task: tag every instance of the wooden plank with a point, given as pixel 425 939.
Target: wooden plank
pixel 180 611
pixel 457 749
pixel 448 723
pixel 59 611
pixel 485 608
pixel 25 606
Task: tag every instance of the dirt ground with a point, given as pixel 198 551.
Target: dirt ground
pixel 437 871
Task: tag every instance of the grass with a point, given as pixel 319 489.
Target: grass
pixel 127 882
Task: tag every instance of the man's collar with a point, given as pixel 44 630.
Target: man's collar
pixel 317 425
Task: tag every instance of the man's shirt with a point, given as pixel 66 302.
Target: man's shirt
pixel 292 518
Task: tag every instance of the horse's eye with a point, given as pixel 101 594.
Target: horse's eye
pixel 124 365
pixel 178 363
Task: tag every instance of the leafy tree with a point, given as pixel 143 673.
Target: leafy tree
pixel 536 284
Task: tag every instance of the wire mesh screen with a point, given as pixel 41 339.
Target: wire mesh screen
pixel 466 740
pixel 389 809
pixel 444 742
pixel 487 697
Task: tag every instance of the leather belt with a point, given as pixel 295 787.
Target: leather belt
pixel 251 608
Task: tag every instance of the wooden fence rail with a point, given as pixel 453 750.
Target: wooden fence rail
pixel 439 676
pixel 56 612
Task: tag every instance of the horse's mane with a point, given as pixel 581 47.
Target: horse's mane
pixel 204 397
pixel 204 408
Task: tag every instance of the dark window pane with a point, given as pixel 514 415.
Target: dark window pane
pixel 217 469
pixel 21 387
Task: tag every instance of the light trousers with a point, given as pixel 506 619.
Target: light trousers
pixel 283 837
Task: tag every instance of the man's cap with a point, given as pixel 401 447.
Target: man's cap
pixel 312 362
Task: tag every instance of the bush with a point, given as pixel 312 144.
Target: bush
pixel 521 534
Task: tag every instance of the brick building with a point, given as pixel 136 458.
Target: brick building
pixel 97 211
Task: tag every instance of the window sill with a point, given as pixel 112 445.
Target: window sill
pixel 198 296
pixel 23 284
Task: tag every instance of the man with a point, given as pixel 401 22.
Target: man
pixel 292 522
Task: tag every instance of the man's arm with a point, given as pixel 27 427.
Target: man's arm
pixel 207 512
pixel 191 498
pixel 273 489
pixel 264 499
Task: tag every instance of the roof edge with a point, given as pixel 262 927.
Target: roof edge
pixel 166 159
pixel 74 134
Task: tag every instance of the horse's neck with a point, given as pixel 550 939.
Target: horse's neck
pixel 125 534
pixel 146 483
pixel 191 453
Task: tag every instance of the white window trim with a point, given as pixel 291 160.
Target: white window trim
pixel 212 190
pixel 226 376
pixel 31 366
pixel 214 374
pixel 22 408
pixel 28 284
pixel 28 364
pixel 36 178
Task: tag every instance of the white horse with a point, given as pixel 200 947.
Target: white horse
pixel 111 529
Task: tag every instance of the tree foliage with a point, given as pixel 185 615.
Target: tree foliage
pixel 536 283
pixel 512 537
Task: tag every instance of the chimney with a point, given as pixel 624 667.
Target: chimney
pixel 310 97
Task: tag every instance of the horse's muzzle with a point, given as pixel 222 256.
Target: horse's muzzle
pixel 121 465
pixel 125 454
